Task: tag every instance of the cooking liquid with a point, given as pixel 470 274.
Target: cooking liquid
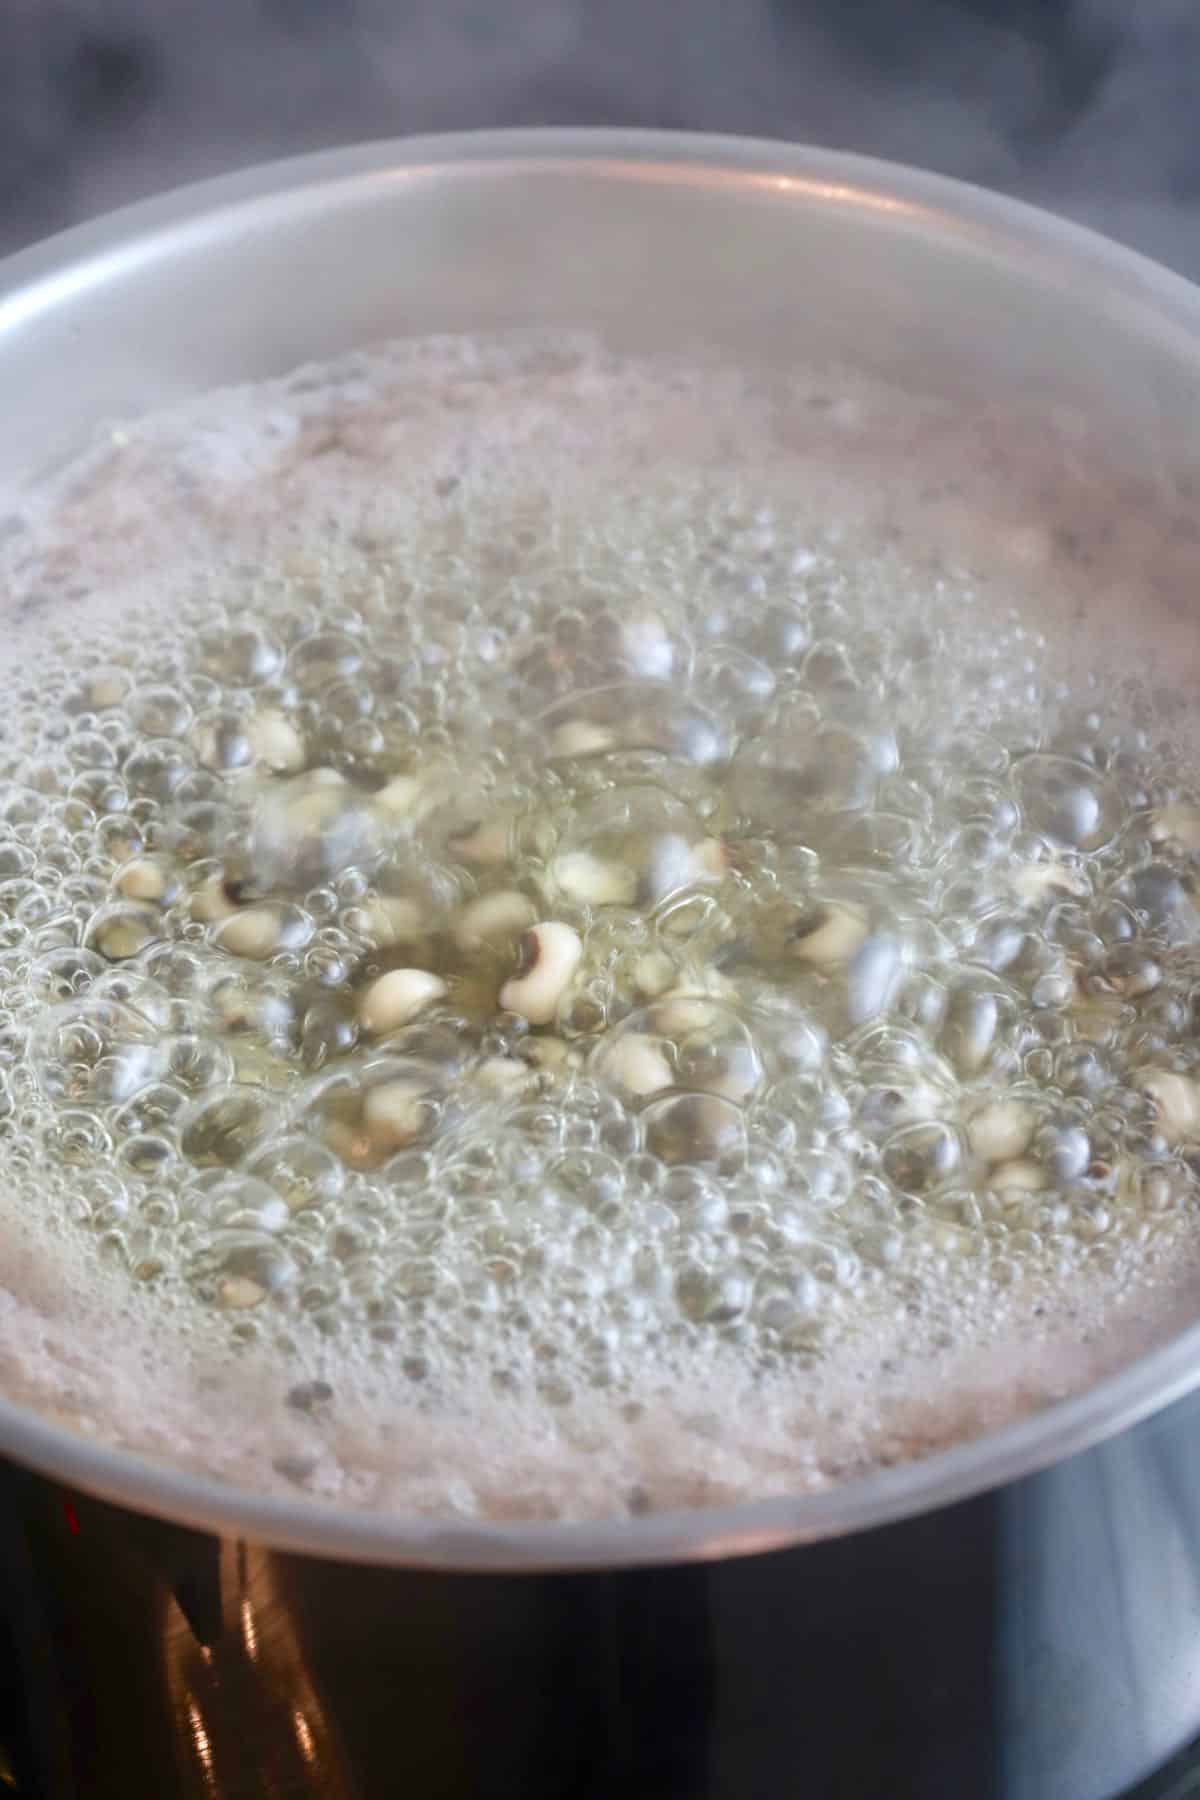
pixel 552 967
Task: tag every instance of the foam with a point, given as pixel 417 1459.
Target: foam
pixel 319 471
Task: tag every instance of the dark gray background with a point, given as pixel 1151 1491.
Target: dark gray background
pixel 1089 106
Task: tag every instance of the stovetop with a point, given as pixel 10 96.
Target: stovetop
pixel 24 1724
pixel 1180 1780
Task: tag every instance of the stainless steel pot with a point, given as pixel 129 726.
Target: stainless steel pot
pixel 1016 1617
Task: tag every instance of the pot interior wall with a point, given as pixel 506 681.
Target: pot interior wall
pixel 833 261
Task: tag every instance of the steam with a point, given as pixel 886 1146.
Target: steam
pixel 1087 106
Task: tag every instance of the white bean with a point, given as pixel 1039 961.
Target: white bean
pixel 142 879
pixel 1021 1176
pixel 238 1292
pixel 397 997
pixel 836 937
pixel 550 954
pixel 211 902
pixel 493 918
pixel 594 880
pixel 708 860
pixel 352 1143
pixel 504 1075
pixel 694 1128
pixel 1177 823
pixel 579 737
pixel 253 933
pixel 1035 881
pixel 401 797
pixel 108 689
pixel 123 930
pixel 688 1006
pixel 653 973
pixel 390 919
pixel 490 842
pixel 1176 1102
pixel 734 1074
pixel 1001 1131
pixel 679 1014
pixel 552 1054
pixel 638 1063
pixel 395 1113
pixel 276 742
pixel 1095 1015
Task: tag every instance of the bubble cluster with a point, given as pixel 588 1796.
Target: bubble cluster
pixel 565 936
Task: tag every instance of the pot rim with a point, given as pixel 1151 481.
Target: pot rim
pixel 64 267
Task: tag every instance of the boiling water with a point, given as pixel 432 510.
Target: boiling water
pixel 551 967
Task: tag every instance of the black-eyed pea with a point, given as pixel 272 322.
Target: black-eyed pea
pixel 388 919
pixel 580 737
pixel 119 931
pixel 552 1055
pixel 1021 1175
pixel 108 687
pixel 1175 1100
pixel 238 1292
pixel 352 1143
pixel 709 860
pixel 308 828
pixel 1095 1015
pixel 504 1075
pixel 396 1113
pixel 831 936
pixel 275 742
pixel 221 742
pixel 1001 1131
pixel 257 932
pixel 402 797
pixel 594 880
pixel 212 902
pixel 654 973
pixel 396 998
pixel 728 1067
pixel 638 1064
pixel 695 1128
pixel 549 954
pixel 486 843
pixel 684 1010
pixel 1038 882
pixel 493 919
pixel 1177 823
pixel 146 878
pixel 1131 971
